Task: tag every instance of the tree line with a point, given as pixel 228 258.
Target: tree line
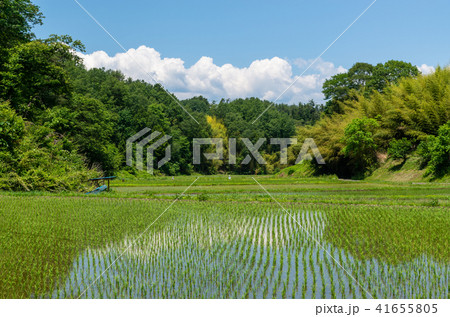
pixel 61 123
pixel 407 116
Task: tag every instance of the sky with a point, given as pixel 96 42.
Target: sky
pixel 232 49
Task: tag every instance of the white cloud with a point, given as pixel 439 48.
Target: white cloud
pixel 325 68
pixel 266 78
pixel 426 69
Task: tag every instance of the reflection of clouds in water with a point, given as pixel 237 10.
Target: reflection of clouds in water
pixel 205 258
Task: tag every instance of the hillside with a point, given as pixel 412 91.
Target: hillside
pixel 389 169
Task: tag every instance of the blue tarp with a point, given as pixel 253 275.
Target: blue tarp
pixel 98 190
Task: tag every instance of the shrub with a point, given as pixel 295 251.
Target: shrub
pixel 399 149
pixel 424 150
pixel 34 157
pixel 360 145
pixel 440 152
pixel 435 152
pixel 11 127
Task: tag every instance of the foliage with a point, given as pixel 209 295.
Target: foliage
pixel 399 149
pixel 11 128
pixel 218 130
pixel 439 152
pixel 275 122
pixel 197 104
pixel 414 109
pixel 34 157
pixel 360 145
pixel 364 78
pixel 17 18
pixel 328 135
pixel 425 148
pixel 66 40
pixel 89 124
pixel 41 163
pixel 303 113
pixel 95 111
pixel 92 113
pixel 34 78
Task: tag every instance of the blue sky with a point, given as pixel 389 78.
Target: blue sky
pixel 242 32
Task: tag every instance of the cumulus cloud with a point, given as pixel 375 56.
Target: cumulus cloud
pixel 265 78
pixel 326 69
pixel 426 69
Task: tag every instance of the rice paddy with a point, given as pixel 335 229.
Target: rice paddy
pixel 324 242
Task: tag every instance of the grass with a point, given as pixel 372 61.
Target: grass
pixel 227 239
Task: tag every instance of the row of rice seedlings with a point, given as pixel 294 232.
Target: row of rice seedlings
pixel 255 254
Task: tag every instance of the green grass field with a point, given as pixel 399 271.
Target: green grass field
pixel 325 238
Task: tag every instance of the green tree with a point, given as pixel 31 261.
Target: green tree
pixel 363 78
pixel 360 145
pixel 35 79
pixel 399 149
pixel 218 130
pixel 390 73
pixel 303 113
pixel 90 125
pixel 439 163
pixel 360 75
pixel 414 108
pixel 34 157
pixel 12 128
pixel 197 104
pixel 152 116
pixel 336 90
pixel 424 150
pixel 17 18
pixel 66 40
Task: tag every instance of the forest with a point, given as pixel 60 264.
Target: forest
pixel 61 123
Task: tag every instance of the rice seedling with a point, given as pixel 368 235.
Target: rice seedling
pixel 57 246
